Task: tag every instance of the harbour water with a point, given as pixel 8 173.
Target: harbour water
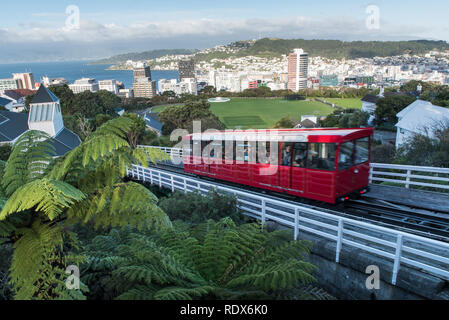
pixel 73 70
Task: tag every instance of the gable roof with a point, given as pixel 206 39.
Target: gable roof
pixel 65 141
pixel 43 95
pixel 370 98
pixel 421 115
pixel 4 102
pixel 13 125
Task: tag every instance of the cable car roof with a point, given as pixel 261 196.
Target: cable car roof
pixel 318 135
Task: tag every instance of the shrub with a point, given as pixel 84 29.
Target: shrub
pixel 195 208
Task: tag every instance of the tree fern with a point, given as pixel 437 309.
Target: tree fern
pixel 30 157
pixel 214 260
pixel 47 198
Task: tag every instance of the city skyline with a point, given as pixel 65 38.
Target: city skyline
pixel 115 27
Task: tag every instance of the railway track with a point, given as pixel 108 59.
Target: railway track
pixel 425 223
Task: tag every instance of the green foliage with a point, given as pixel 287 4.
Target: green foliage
pixel 47 198
pixel 388 107
pixel 195 208
pixel 284 123
pixel 182 117
pixel 5 152
pixel 422 150
pixel 216 260
pixel 346 118
pixel 30 158
pixel 384 153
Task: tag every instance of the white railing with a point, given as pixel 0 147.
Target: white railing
pixel 407 176
pixel 401 248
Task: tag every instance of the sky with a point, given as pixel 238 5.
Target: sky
pixel 47 30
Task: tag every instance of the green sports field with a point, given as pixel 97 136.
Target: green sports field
pixel 353 103
pixel 260 113
pixel 264 113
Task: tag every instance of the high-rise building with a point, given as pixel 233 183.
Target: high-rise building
pixel 142 71
pixel 143 86
pixel 186 69
pixel 298 69
pixel 25 80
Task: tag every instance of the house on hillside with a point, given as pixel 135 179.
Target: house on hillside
pixel 420 117
pixel 45 115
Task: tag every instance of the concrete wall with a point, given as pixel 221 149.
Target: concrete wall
pixel 347 279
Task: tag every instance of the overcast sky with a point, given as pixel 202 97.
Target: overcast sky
pixel 38 30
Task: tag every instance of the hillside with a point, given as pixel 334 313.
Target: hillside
pixel 270 48
pixel 147 55
pixel 339 49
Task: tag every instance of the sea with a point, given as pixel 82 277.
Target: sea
pixel 74 70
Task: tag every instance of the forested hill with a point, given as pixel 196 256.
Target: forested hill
pixel 276 47
pixel 340 49
pixel 147 55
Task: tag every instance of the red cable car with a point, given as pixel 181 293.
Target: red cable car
pixel 328 165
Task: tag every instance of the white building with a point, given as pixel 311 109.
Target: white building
pixel 421 117
pixel 298 70
pixel 126 93
pixel 108 85
pixel 84 84
pixel 186 86
pixel 54 81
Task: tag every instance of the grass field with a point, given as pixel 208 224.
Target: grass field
pixel 264 113
pixel 353 103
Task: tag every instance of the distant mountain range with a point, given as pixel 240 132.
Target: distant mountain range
pixel 270 47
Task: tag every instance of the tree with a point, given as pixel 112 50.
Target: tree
pixel 109 101
pixel 182 117
pixel 424 150
pixel 87 104
pixel 285 123
pixel 345 118
pixel 46 198
pixel 215 260
pixel 388 107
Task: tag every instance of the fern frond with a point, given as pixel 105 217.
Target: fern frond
pixel 29 160
pixel 48 196
pixel 120 205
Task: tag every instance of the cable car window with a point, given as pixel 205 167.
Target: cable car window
pixel 242 151
pixel 196 150
pixel 300 155
pixel 287 154
pixel 216 149
pixel 362 150
pixel 321 156
pixel 263 152
pixel 346 159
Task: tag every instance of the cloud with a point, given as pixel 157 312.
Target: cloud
pixel 95 39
